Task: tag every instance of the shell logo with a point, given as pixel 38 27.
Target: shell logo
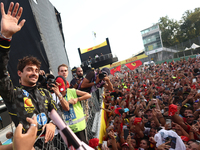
pixel 28 102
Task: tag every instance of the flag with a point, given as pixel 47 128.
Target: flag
pixel 112 71
pixel 134 65
pixel 94 34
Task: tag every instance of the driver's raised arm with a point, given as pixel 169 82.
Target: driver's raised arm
pixel 9 26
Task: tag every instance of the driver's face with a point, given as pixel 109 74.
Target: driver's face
pixel 29 76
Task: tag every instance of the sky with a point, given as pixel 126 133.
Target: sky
pixel 119 20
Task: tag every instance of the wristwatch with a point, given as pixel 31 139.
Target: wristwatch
pixel 52 122
pixel 95 83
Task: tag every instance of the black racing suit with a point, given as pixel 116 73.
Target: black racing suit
pixel 23 102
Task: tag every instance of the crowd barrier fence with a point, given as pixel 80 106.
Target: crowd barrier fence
pixel 94 116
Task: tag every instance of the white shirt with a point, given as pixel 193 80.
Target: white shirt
pixel 161 136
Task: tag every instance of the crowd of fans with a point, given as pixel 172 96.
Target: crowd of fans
pixel 155 108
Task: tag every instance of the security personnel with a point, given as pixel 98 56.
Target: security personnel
pixel 28 99
pixel 73 111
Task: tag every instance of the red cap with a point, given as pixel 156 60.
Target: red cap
pixel 61 84
pixel 172 110
pixel 185 138
pixel 125 144
pixel 137 121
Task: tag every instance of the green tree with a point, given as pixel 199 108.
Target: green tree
pixel 190 28
pixel 169 28
pixel 175 32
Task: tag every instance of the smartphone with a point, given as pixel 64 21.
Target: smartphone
pixel 194 80
pixel 166 88
pixel 195 121
pixel 132 134
pixel 126 133
pixel 169 121
pixel 172 141
pixel 168 139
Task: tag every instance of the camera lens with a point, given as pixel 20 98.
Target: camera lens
pixel 101 76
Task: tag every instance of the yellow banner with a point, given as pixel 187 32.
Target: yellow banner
pixel 125 61
pixel 93 48
pixel 102 131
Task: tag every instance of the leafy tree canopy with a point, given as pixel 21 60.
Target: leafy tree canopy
pixel 175 32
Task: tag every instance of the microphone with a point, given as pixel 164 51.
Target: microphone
pixel 67 134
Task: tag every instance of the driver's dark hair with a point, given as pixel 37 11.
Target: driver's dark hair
pixel 28 60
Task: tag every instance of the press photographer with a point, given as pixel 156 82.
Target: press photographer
pixel 76 81
pixel 43 80
pixel 96 79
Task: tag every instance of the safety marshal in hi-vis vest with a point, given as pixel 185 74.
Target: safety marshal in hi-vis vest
pixel 75 117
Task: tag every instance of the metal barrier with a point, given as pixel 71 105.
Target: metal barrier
pixel 94 108
pixel 91 109
pixel 56 144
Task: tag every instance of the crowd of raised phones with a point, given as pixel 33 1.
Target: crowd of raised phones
pixel 156 108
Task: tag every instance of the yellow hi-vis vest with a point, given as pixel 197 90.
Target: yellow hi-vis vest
pixel 74 117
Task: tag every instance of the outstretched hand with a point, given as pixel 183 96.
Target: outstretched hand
pixel 164 146
pixel 27 140
pixel 9 21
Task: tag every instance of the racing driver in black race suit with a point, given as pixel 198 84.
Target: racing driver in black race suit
pixel 28 99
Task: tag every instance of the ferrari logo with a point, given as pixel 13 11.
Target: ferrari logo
pixel 115 69
pixel 133 64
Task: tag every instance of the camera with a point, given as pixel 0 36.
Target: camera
pixel 51 80
pixel 102 75
pixel 43 81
